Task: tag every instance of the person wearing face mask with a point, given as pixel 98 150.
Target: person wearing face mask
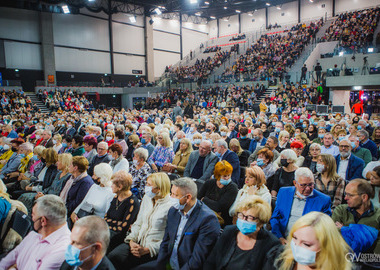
pixel 367 143
pixel 244 245
pixel 77 146
pixel 321 135
pixel 109 137
pixel 14 161
pixel 258 140
pixel 279 126
pixel 143 242
pixel 296 201
pixel 188 216
pixel 223 153
pixel 118 162
pixel 358 151
pixel 220 193
pixel 328 181
pixel 197 139
pixel 348 165
pixel 45 246
pixel 99 196
pixel 284 176
pixel 87 250
pixel 139 170
pixel 308 247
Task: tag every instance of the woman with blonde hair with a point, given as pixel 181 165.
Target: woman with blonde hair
pixel 254 185
pixel 314 242
pixel 181 157
pixel 283 141
pixel 109 137
pixel 143 242
pixel 242 154
pixel 197 139
pixel 246 244
pixel 162 154
pixel 328 180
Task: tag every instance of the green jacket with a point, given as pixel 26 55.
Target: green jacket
pixel 343 215
pixel 364 154
pixel 77 152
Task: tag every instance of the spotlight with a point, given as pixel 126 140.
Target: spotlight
pixel 238 11
pixel 267 4
pixel 370 50
pixel 207 3
pixel 278 8
pixel 132 19
pixel 212 17
pixel 16 70
pixel 158 11
pixel 65 9
pixel 341 53
pixel 193 1
pixel 225 7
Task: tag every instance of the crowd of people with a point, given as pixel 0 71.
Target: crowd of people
pixel 152 189
pixel 65 100
pixel 16 102
pixel 271 56
pixel 354 29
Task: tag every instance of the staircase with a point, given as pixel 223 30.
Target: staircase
pixel 267 93
pixel 295 70
pixel 39 103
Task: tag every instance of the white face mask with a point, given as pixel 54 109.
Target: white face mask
pixel 303 255
pixel 38 137
pixel 6 147
pixel 149 192
pixel 108 138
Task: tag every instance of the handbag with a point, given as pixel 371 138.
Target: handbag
pixel 167 168
pixel 83 213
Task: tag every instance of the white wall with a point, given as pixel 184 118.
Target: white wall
pixel 191 40
pixel 289 10
pixel 315 10
pixel 258 21
pixel 165 41
pixel 80 31
pixel 171 26
pixel 213 29
pixel 19 24
pixel 163 59
pixel 229 27
pixel 124 64
pixel 81 61
pixel 128 39
pixel 121 17
pixel 22 55
pixel 349 5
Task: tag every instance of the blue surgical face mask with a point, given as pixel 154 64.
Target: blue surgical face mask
pixel 64 145
pixel 149 192
pixel 302 255
pixel 176 204
pixel 260 162
pixel 143 141
pixel 223 133
pixel 359 127
pixel 72 255
pixel 321 136
pixel 246 227
pixel 35 157
pixel 22 155
pixel 197 141
pixel 277 130
pixel 218 154
pixel 304 125
pixel 353 145
pixel 225 182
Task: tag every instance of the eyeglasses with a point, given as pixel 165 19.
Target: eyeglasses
pixel 344 146
pixel 102 149
pixel 306 185
pixel 248 218
pixel 351 195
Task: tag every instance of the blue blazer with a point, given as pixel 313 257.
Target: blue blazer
pixel 279 221
pixel 77 192
pixel 233 134
pixel 233 159
pixel 253 144
pixel 197 240
pixel 354 169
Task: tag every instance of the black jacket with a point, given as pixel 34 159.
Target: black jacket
pixel 105 264
pixel 51 172
pixel 226 245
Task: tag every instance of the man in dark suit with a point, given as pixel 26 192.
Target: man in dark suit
pixel 47 139
pixel 231 157
pixel 180 135
pixel 92 246
pixel 98 134
pixel 191 231
pixel 348 166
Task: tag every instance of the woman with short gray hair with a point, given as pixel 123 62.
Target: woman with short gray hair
pixel 139 170
pixel 311 160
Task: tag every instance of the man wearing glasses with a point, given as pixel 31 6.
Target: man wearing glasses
pixel 294 202
pixel 359 208
pixel 348 166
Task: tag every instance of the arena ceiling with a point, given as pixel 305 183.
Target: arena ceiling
pixel 209 9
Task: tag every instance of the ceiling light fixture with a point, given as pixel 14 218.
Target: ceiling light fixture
pixel 158 11
pixel 65 9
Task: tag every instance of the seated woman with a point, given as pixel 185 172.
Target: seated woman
pixel 123 210
pixel 90 144
pixel 132 145
pixel 242 154
pixel 119 139
pixel 162 154
pixel 26 152
pixel 328 180
pixel 254 185
pixel 45 176
pixel 265 162
pixel 316 235
pixel 246 244
pixel 181 158
pixel 78 185
pixel 99 196
pixel 197 139
pixel 57 140
pixel 220 193
pixel 302 137
pixel 283 141
pixel 143 242
pixel 284 176
pixel 312 132
pixel 139 170
pixel 109 137
pixel 63 163
pixel 223 134
pixel 311 160
pixel 118 162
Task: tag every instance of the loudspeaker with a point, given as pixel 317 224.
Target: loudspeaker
pixel 337 109
pixel 322 109
pixel 311 107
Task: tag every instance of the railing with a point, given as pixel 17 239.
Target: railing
pixel 11 83
pixel 90 84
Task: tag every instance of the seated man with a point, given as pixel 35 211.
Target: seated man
pixel 90 238
pixel 359 208
pixel 231 157
pixel 14 161
pixel 101 157
pixel 358 151
pixel 328 147
pixel 271 144
pixel 201 162
pixel 45 247
pixel 191 231
pixel 294 202
pixel 348 165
